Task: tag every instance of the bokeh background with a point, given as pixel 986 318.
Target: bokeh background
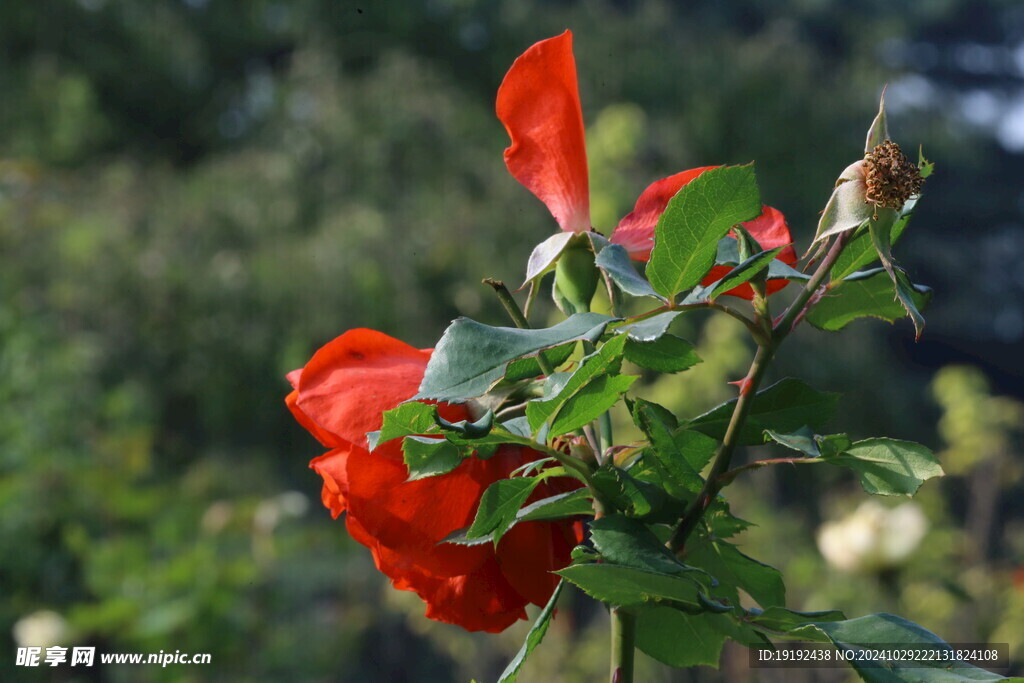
pixel 196 194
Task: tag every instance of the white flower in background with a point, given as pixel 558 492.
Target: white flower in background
pixel 873 537
pixel 44 628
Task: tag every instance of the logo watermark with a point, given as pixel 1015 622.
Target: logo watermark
pixel 86 656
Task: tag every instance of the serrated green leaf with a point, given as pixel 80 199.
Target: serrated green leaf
pixel 533 638
pixel 587 404
pixel 873 296
pixel 427 457
pixel 926 167
pixel 880 237
pixel 892 632
pixel 889 467
pixel 664 453
pixel 558 506
pixel 471 357
pixel 408 419
pixel 679 639
pixel 833 444
pixel 499 505
pixel 722 522
pixel 726 563
pixel 629 543
pixel 614 260
pixel 697 448
pixel 590 391
pixel 635 497
pixel 631 587
pixel 702 212
pixel 860 252
pixel 801 440
pixel 668 354
pixel 783 407
pixel 744 272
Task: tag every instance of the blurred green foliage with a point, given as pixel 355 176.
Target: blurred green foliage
pixel 196 194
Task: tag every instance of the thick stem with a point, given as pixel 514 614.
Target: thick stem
pixel 748 390
pixel 623 641
pixel 712 485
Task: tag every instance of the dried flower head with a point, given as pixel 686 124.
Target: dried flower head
pixel 891 178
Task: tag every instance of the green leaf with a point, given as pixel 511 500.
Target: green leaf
pixel 801 440
pixel 408 419
pixel 726 563
pixel 782 619
pixel 635 497
pixel 558 506
pixel 591 390
pixel 870 296
pixel 533 638
pixel 650 329
pixel 427 457
pixel 833 444
pixel 722 522
pixel 784 407
pixel 892 632
pixel 668 354
pixel 679 639
pixel 664 453
pixel 697 448
pixel 629 543
pixel 702 212
pixel 744 272
pixel 529 367
pixel 499 505
pixel 630 587
pixel 861 252
pixel 471 357
pixel 889 467
pixel 880 237
pixel 614 260
pixel 926 167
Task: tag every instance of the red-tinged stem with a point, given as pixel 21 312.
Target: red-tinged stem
pixel 623 644
pixel 748 390
pixel 727 477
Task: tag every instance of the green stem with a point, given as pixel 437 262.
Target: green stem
pixel 748 390
pixel 514 312
pixel 607 440
pixel 623 641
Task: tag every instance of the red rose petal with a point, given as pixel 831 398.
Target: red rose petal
pixel 539 103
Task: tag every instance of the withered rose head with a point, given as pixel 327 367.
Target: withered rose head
pixel 891 177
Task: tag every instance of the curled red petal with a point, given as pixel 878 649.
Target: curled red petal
pixel 331 467
pixel 539 104
pixel 353 379
pixel 635 231
pixel 770 231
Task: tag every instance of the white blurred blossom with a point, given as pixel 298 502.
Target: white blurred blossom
pixel 44 628
pixel 873 537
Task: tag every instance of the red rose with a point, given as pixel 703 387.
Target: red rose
pixel 539 104
pixel 339 396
